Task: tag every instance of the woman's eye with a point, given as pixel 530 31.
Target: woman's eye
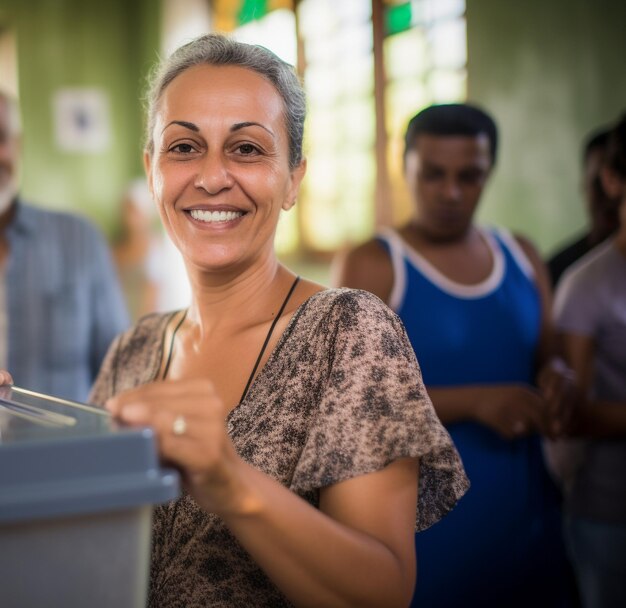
pixel 246 149
pixel 182 148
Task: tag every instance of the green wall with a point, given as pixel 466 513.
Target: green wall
pixel 550 71
pixel 104 44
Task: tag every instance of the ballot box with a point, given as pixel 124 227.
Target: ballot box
pixel 77 492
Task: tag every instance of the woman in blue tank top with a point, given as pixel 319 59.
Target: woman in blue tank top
pixel 475 304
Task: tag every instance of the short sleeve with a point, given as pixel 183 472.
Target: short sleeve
pixel 576 303
pixel 374 409
pixel 132 359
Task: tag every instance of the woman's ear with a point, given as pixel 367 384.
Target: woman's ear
pixel 147 166
pixel 296 179
pixel 614 185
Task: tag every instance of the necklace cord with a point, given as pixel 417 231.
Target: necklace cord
pixel 265 343
pixel 171 350
pixel 267 338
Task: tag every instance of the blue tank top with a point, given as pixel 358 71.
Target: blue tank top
pixel 501 534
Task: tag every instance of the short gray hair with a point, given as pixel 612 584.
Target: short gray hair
pixel 218 50
pixel 13 107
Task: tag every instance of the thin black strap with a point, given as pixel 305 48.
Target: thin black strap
pixel 169 354
pixel 267 339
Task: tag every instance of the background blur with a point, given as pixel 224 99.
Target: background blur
pixel 549 72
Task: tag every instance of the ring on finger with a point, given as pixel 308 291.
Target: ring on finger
pixel 179 426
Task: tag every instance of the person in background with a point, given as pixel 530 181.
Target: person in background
pixel 150 268
pixel 476 303
pixel 307 443
pixel 60 300
pixel 135 251
pixel 601 209
pixel 590 312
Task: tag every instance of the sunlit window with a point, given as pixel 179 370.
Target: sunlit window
pixel 425 54
pixel 182 21
pixel 8 61
pixel 340 135
pixel 425 59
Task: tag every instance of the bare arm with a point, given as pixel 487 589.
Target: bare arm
pixel 351 552
pixel 511 410
pixel 592 418
pixel 366 267
pixel 556 381
pixel 546 349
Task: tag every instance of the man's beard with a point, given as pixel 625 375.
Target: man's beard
pixel 8 192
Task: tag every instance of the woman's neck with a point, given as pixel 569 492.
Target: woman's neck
pixel 235 298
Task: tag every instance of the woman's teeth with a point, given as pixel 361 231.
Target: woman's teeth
pixel 214 216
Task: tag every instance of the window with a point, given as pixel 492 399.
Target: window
pixel 332 42
pixel 8 61
pixel 425 58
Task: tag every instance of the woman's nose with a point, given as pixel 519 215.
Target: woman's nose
pixel 213 174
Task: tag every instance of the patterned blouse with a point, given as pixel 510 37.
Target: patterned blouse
pixel 341 395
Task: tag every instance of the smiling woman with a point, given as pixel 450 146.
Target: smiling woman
pixel 214 140
pixel 296 414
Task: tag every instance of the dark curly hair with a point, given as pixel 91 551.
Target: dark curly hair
pixel 452 119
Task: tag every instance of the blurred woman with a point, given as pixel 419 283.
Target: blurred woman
pixel 590 310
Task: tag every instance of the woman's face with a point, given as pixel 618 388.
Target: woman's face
pixel 220 171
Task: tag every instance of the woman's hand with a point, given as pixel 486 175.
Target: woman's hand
pixel 286 536
pixel 5 377
pixel 189 420
pixel 511 410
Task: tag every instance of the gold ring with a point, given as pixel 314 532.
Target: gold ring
pixel 179 426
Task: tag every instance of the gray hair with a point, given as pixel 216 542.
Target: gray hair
pixel 218 50
pixel 13 108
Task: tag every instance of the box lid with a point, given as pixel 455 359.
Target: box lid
pixel 60 458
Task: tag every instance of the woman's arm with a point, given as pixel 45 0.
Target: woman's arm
pixel 357 550
pixel 554 378
pixel 592 418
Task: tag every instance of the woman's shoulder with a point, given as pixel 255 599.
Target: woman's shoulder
pixel 351 316
pixel 139 347
pixel 347 301
pixel 590 275
pixel 147 330
pixel 133 358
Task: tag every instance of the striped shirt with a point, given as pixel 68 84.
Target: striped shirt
pixel 63 301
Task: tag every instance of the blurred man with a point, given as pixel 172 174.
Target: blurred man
pixel 476 303
pixel 60 301
pixel 601 210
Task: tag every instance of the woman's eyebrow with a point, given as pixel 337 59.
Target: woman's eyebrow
pixel 182 123
pixel 243 125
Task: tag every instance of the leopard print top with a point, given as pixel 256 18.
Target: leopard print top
pixel 341 395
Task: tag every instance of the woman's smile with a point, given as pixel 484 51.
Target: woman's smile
pixel 215 217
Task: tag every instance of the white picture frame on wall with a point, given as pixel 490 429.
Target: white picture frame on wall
pixel 82 120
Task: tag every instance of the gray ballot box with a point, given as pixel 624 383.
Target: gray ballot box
pixel 76 497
